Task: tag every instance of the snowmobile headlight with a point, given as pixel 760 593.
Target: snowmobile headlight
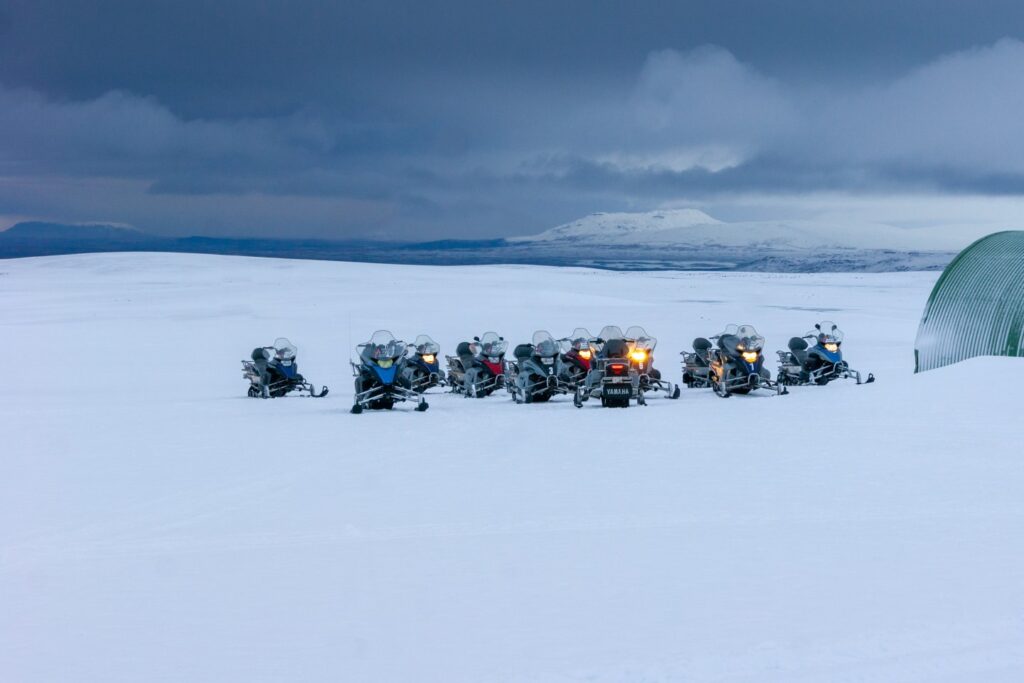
pixel 585 354
pixel 831 347
pixel 386 362
pixel 750 356
pixel 639 355
pixel 428 358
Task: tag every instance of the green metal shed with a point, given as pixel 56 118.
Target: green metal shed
pixel 977 306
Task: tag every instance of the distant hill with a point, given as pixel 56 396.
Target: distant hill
pixel 685 239
pixel 35 230
pixel 45 239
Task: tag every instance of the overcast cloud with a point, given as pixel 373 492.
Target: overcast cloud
pixel 406 120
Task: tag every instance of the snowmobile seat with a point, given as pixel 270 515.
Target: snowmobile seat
pixel 465 353
pixel 701 347
pixel 615 348
pixel 523 351
pixel 798 347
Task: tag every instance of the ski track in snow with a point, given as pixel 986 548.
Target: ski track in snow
pixel 156 525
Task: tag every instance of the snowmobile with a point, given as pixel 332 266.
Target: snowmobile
pixel 478 368
pixel 380 382
pixel 612 376
pixel 697 363
pixel 737 366
pixel 273 372
pixel 422 368
pixel 819 364
pixel 536 373
pixel 577 354
pixel 641 356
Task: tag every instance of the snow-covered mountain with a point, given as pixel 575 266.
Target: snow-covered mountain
pixel 618 227
pixel 691 228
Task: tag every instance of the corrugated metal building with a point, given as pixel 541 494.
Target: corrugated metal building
pixel 977 305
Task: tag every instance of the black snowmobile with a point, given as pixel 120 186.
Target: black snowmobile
pixel 612 376
pixel 536 373
pixel 818 364
pixel 737 366
pixel 380 382
pixel 273 372
pixel 478 368
pixel 641 356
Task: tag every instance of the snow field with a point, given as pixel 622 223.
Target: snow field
pixel 155 524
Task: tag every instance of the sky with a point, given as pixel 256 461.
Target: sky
pixel 412 119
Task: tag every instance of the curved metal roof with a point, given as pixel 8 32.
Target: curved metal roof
pixel 977 305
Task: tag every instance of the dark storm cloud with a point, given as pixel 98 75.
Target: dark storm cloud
pixel 464 119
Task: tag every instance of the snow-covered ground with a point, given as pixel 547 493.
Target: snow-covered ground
pixel 155 525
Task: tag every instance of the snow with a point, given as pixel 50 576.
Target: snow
pixel 155 525
pixel 613 227
pixel 694 228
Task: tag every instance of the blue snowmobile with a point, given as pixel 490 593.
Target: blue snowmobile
pixel 737 365
pixel 380 380
pixel 422 368
pixel 819 364
pixel 273 372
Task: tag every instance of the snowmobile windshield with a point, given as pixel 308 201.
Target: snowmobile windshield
pixel 425 345
pixel 609 332
pixel 383 345
pixel 545 344
pixel 640 338
pixel 750 340
pixel 747 338
pixel 492 345
pixel 580 339
pixel 826 332
pixel 284 349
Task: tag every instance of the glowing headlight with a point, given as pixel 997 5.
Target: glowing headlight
pixel 639 355
pixel 585 354
pixel 386 362
pixel 831 348
pixel 750 356
pixel 428 358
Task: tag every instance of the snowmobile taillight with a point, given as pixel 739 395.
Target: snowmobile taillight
pixel 831 348
pixel 639 355
pixel 617 369
pixel 428 358
pixel 584 354
pixel 750 356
